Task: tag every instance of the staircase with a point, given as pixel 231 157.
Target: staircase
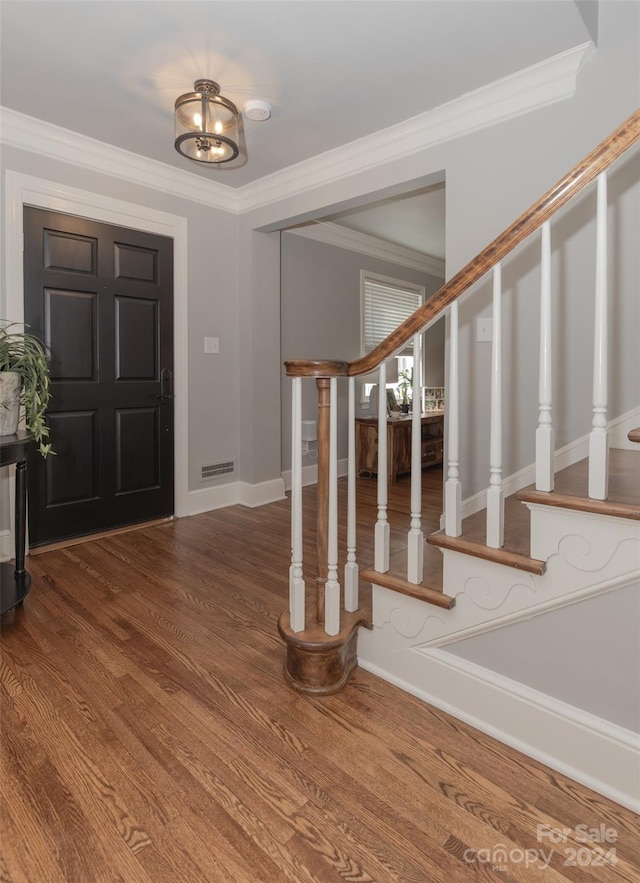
pixel 559 548
pixel 563 530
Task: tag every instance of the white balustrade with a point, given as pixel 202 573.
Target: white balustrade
pixel 544 433
pixel 382 531
pixel 351 566
pixel 495 495
pixel 598 441
pixel 453 488
pixel 332 586
pixel 296 580
pixel 415 538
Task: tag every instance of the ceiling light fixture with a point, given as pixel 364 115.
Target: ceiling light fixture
pixel 206 124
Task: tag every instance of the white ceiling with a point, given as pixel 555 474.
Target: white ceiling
pixel 333 70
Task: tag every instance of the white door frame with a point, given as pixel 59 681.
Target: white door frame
pixel 21 190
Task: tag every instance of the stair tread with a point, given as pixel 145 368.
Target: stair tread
pixel 422 592
pixel 571 487
pixel 479 549
pixel 516 551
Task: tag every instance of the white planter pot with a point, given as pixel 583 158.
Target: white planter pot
pixel 9 402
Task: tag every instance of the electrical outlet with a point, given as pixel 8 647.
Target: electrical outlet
pixel 212 344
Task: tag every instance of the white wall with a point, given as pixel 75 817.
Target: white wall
pixel 320 317
pixel 212 301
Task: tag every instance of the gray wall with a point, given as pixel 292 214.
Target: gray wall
pixel 212 302
pixel 586 654
pixel 492 176
pixel 320 318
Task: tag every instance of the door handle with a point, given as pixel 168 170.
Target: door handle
pixel 166 386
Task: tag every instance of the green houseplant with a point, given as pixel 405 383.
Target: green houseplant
pixel 405 388
pixel 24 355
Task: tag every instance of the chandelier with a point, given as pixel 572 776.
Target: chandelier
pixel 206 124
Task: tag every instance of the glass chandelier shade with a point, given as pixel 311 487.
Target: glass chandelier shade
pixel 206 124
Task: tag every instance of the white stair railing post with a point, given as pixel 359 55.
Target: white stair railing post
pixel 296 580
pixel 351 566
pixel 495 496
pixel 544 433
pixel 332 586
pixel 382 531
pixel 598 441
pixel 453 488
pixel 415 538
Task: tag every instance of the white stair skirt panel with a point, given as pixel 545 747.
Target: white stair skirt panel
pixel 589 555
pixel 580 745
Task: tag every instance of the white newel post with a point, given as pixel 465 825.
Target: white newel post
pixel 544 433
pixel 351 566
pixel 453 488
pixel 415 539
pixel 296 581
pixel 598 441
pixel 332 586
pixel 495 496
pixel 381 536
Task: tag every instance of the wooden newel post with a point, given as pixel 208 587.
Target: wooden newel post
pixel 323 384
pixel 321 656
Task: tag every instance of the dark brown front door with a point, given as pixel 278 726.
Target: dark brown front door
pixel 101 297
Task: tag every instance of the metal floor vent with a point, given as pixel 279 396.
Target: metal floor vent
pixel 215 470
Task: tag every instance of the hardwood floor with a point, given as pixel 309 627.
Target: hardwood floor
pixel 148 735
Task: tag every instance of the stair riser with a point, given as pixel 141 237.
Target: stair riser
pixel 552 527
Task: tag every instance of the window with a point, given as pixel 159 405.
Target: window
pixel 386 303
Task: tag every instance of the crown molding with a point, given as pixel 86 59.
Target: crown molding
pixel 542 84
pixel 45 139
pixel 547 82
pixel 363 243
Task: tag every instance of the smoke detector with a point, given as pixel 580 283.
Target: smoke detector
pixel 256 109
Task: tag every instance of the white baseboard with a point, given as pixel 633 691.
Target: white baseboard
pixel 310 474
pixel 575 451
pixel 237 492
pixel 594 752
pixel 6 545
pixel 620 427
pixel 254 495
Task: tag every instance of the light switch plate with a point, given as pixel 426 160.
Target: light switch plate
pixel 484 328
pixel 212 344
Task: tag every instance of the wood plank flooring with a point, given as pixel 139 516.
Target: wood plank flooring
pixel 148 736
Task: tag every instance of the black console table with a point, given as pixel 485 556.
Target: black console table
pixel 14 579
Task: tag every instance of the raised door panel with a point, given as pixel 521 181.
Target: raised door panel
pixel 70 252
pixel 71 334
pixel 137 335
pixel 137 449
pixel 72 474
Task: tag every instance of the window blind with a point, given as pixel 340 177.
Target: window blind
pixel 384 307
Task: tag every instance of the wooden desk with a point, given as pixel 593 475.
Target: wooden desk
pixel 399 443
pixel 15 582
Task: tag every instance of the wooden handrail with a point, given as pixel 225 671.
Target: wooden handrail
pixel 604 155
